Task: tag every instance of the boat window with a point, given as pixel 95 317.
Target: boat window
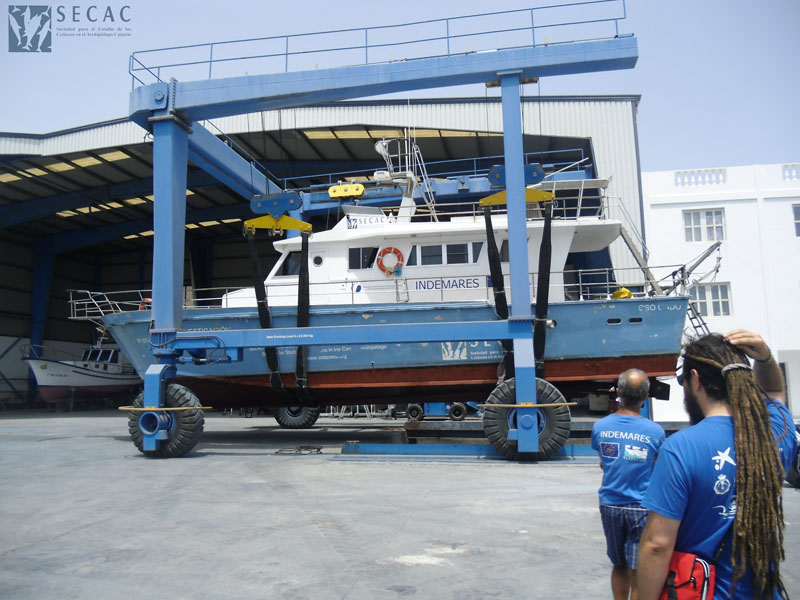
pixel 431 255
pixel 290 266
pixel 114 356
pixel 476 251
pixel 104 356
pixel 95 355
pixel 504 251
pixel 86 355
pixel 457 254
pixel 362 258
pixel 412 257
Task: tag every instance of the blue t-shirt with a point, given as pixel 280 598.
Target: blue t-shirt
pixel 695 482
pixel 628 447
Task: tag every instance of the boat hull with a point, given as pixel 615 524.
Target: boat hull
pixel 59 380
pixel 592 341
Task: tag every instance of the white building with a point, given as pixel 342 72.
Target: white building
pixel 755 212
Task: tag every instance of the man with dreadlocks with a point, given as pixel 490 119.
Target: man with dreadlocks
pixel 716 489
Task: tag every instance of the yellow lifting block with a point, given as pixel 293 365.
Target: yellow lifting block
pixel 346 190
pixel 531 196
pixel 281 225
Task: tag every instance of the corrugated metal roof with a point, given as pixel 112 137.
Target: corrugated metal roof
pixel 92 165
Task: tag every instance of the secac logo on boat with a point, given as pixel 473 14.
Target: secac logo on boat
pixel 32 27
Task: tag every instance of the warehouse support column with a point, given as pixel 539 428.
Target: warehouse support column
pixel 43 260
pixel 521 317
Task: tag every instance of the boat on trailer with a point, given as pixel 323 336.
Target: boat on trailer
pixel 402 266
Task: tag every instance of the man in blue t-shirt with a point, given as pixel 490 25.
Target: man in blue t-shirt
pixel 738 413
pixel 628 445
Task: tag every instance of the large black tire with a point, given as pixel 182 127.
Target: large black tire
pixel 414 412
pixel 457 411
pixel 186 428
pixel 554 421
pixel 297 417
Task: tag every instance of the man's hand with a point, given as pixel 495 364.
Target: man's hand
pixel 767 372
pixel 750 343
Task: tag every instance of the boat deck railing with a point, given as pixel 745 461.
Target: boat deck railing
pixel 575 285
pixel 582 20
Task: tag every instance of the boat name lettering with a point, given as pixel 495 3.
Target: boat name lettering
pixel 448 284
pixel 354 222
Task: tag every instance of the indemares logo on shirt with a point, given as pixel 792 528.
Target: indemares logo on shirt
pixel 635 453
pixel 29 28
pixel 609 449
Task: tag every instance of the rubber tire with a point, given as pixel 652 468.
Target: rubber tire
pixel 551 438
pixel 414 412
pixel 297 417
pixel 186 429
pixel 457 411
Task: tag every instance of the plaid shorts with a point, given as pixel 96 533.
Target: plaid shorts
pixel 623 526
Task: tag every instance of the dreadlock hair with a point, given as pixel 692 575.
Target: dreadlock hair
pixel 758 528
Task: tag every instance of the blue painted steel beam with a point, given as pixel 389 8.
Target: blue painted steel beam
pixel 210 99
pixel 84 238
pixel 23 212
pixel 214 156
pixel 170 154
pixel 524 363
pixel 44 258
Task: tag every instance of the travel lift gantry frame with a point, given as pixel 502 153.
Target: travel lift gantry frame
pixel 173 111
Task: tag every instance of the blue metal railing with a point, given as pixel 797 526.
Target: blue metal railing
pixel 546 25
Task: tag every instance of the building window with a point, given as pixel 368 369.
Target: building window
pixel 796 209
pixel 712 299
pixel 704 225
pixel 362 258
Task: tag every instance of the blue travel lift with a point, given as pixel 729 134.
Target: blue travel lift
pixel 173 111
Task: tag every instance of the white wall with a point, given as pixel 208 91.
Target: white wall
pixel 760 253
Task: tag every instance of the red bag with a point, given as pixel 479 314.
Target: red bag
pixel 689 578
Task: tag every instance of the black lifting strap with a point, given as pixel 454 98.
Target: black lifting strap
pixel 264 318
pixel 303 301
pixel 498 287
pixel 542 291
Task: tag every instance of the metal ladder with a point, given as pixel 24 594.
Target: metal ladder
pixel 697 320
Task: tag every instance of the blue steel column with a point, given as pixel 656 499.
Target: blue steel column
pixel 170 156
pixel 524 364
pixel 44 258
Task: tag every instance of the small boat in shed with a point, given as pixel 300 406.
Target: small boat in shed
pixel 99 372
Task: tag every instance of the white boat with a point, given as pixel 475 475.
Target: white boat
pixel 99 371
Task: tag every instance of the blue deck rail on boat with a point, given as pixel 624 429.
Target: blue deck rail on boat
pixel 543 25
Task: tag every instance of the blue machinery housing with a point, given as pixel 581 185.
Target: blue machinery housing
pixel 172 112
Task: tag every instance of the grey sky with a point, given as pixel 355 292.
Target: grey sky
pixel 718 78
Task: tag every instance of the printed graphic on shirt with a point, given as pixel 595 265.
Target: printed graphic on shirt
pixel 723 457
pixel 728 512
pixel 722 485
pixel 635 453
pixel 625 435
pixel 609 449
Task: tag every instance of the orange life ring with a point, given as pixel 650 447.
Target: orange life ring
pixel 394 269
